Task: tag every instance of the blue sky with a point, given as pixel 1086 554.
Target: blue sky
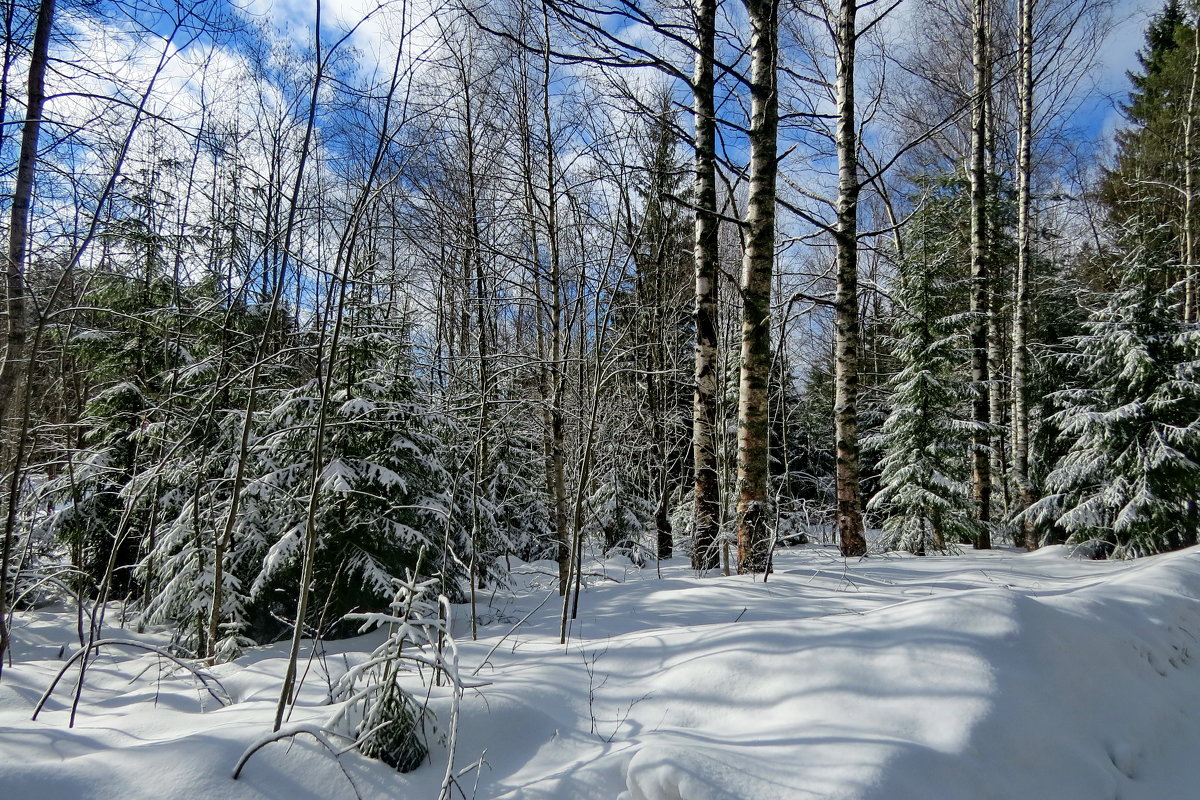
pixel 1097 115
pixel 1119 55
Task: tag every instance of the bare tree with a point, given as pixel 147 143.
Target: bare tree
pixel 753 535
pixel 981 479
pixel 707 511
pixel 14 271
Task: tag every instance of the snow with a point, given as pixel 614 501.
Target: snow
pixel 981 675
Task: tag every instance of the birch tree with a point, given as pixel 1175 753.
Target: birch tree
pixel 707 512
pixel 981 478
pixel 753 534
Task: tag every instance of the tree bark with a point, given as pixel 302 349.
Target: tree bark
pixel 1020 350
pixel 306 570
pixel 846 322
pixel 1190 301
pixel 997 406
pixel 981 481
pixel 557 357
pixel 483 305
pixel 17 253
pixel 707 512
pixel 656 409
pixel 754 543
pixel 22 198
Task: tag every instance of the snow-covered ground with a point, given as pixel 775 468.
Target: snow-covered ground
pixel 983 675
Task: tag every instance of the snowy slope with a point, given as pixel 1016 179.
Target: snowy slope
pixel 985 675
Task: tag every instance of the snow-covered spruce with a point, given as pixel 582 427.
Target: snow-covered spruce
pixel 924 497
pixel 1130 477
pixel 383 718
pixel 382 500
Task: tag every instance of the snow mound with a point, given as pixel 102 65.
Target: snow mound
pixel 989 693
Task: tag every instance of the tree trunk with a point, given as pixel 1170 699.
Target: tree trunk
pixel 656 409
pixel 18 249
pixel 981 481
pixel 482 322
pixel 846 322
pixel 754 543
pixel 995 326
pixel 289 678
pixel 1191 304
pixel 18 231
pixel 997 402
pixel 557 357
pixel 707 512
pixel 1020 351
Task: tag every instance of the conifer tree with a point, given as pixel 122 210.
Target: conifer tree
pixel 516 489
pixel 621 516
pixel 924 494
pixel 100 498
pixel 384 497
pixel 1129 479
pixel 1143 189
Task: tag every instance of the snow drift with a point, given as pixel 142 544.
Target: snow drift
pixel 985 675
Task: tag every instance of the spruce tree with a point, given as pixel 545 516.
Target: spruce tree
pixel 100 499
pixel 516 492
pixel 384 498
pixel 621 515
pixel 1131 475
pixel 924 495
pixel 1142 189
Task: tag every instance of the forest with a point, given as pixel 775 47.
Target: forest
pixel 328 314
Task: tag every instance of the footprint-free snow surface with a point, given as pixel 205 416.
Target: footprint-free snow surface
pixel 982 675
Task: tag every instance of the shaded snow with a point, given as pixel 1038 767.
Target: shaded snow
pixel 984 675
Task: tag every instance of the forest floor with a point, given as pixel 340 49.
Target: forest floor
pixel 980 675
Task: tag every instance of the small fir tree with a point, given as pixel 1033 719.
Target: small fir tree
pixel 925 440
pixel 516 490
pixel 92 510
pixel 383 498
pixel 385 720
pixel 621 516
